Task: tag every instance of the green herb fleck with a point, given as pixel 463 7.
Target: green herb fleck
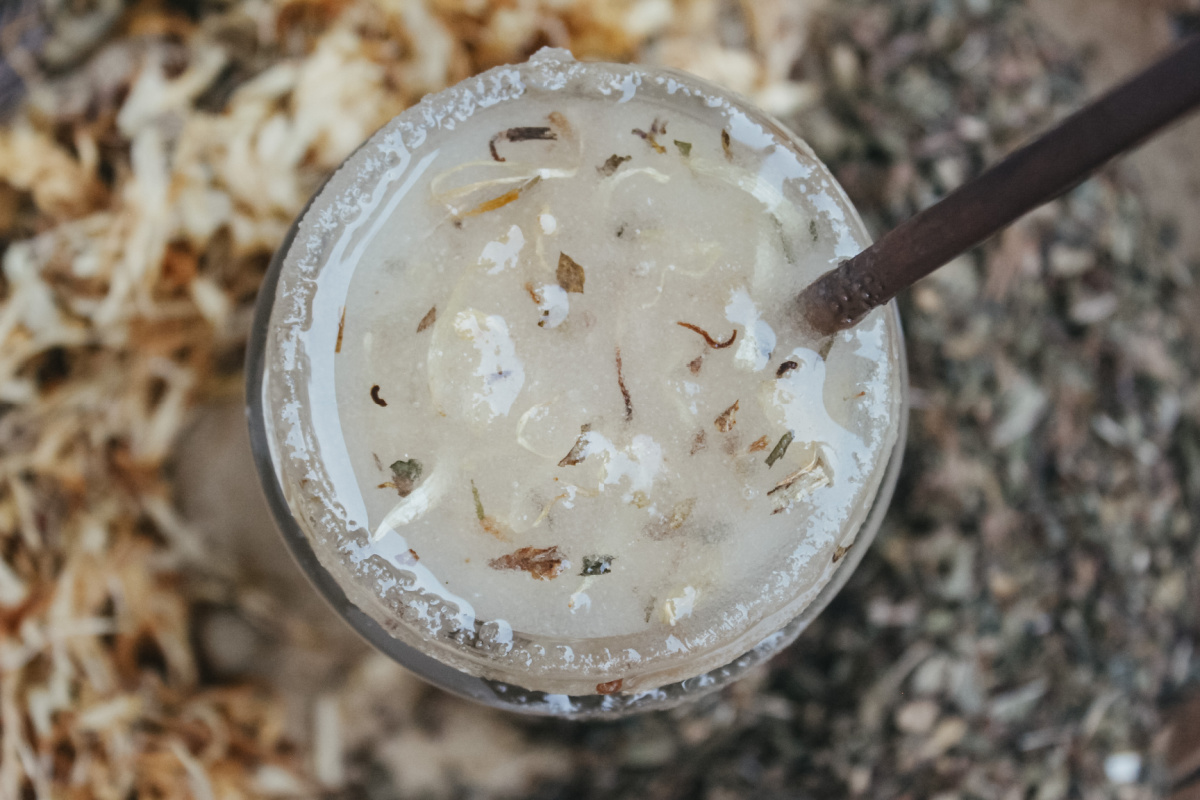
pixel 597 565
pixel 685 148
pixel 812 229
pixel 478 503
pixel 784 442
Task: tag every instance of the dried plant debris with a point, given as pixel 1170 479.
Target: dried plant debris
pixel 610 687
pixel 715 344
pixel 684 148
pixel 727 418
pixel 405 475
pixel 612 164
pixel 577 454
pixel 427 320
pixel 569 274
pixel 519 135
pixel 657 128
pixel 624 390
pixel 337 347
pixel 543 563
pixel 379 401
pixel 670 524
pixel 597 565
pixel 780 449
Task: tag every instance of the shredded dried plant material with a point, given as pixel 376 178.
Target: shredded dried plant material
pixel 612 164
pixel 695 364
pixel 427 320
pixel 577 454
pixel 708 339
pixel 657 128
pixel 519 135
pixel 611 687
pixel 727 418
pixel 543 563
pixel 759 444
pixel 405 475
pixel 624 390
pixel 596 565
pixel 569 275
pixel 780 449
pixel 673 522
pixel 727 145
pixel 337 347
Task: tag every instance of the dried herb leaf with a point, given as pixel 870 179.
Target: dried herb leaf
pixel 405 475
pixel 812 229
pixel 612 164
pixel 728 418
pixel 519 135
pixel 685 148
pixel 597 565
pixel 379 401
pixel 337 347
pixel 427 320
pixel 708 339
pixel 780 448
pixel 840 552
pixel 543 563
pixel 612 687
pixel 825 348
pixel 758 445
pixel 785 368
pixel 577 455
pixel 624 390
pixel 478 503
pixel 569 275
pixel 727 144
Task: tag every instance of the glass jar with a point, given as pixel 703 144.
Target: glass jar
pixel 666 497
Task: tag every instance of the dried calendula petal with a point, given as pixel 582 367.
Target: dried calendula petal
pixel 543 563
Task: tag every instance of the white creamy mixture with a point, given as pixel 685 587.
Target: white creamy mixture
pixel 587 441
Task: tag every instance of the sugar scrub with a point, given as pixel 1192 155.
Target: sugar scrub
pixel 535 388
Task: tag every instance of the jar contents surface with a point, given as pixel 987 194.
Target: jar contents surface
pixel 592 449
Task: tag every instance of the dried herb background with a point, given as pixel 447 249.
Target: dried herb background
pixel 1025 627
